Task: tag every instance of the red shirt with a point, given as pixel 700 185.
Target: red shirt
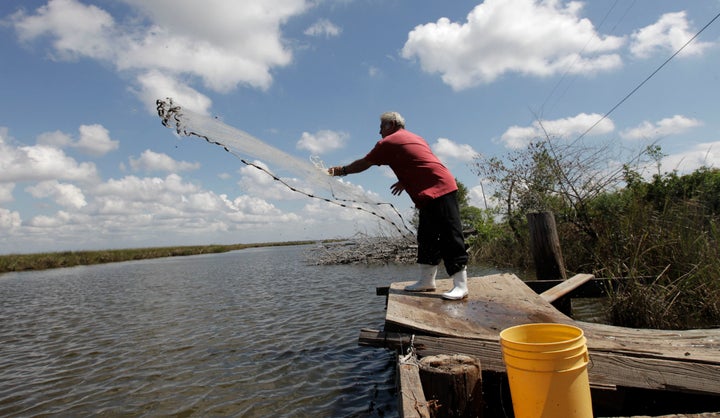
pixel 416 167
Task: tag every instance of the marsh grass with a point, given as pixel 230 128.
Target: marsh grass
pixel 43 261
pixel 677 245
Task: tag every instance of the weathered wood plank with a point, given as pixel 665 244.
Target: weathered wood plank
pixel 487 351
pixel 606 369
pixel 693 346
pixel 697 346
pixel 652 373
pixel 594 288
pixel 565 287
pixel 412 399
pixel 495 302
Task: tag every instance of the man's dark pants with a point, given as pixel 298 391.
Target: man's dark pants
pixel 440 234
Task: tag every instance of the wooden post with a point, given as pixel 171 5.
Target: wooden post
pixel 545 246
pixel 455 383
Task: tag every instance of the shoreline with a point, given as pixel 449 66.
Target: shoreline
pixel 45 261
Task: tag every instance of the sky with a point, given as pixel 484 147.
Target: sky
pixel 85 163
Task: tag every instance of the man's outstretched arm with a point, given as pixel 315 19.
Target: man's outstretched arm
pixel 356 166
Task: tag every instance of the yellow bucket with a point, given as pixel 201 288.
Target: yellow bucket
pixel 547 370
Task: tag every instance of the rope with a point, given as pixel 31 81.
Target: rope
pixel 411 355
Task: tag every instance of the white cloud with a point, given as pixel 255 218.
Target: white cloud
pixel 48 222
pixel 230 42
pixel 133 189
pixel 170 200
pixel 157 85
pixel 517 137
pixel 95 140
pixel 701 155
pixel 77 30
pixel 41 162
pixel 446 149
pixel 530 37
pixel 576 125
pixel 6 192
pixel 259 209
pixel 55 139
pixel 9 220
pixel 154 161
pixel 320 211
pixel 322 141
pixel 668 126
pixel 478 198
pixel 255 182
pixel 203 201
pixel 66 195
pixel 667 35
pixel 323 27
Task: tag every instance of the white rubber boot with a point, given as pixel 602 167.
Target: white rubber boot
pixel 427 279
pixel 460 291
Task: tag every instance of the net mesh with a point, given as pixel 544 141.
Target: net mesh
pixel 310 177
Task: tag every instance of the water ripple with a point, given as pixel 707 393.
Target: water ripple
pixel 236 334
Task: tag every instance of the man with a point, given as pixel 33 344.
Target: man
pixel 432 188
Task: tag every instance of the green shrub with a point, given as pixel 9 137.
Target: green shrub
pixel 663 234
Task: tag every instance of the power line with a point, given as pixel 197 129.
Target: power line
pixel 647 78
pixel 577 57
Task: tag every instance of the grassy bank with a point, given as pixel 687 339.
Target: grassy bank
pixel 43 261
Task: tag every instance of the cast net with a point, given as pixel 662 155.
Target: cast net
pixel 308 178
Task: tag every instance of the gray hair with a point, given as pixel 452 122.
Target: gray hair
pixel 393 117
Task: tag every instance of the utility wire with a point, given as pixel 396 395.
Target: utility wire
pixel 647 78
pixel 577 57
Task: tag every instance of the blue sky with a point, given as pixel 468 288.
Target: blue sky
pixel 86 164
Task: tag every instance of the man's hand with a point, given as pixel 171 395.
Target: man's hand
pixel 356 166
pixel 336 171
pixel 397 188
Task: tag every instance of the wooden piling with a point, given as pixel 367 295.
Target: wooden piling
pixel 454 382
pixel 545 246
pixel 547 254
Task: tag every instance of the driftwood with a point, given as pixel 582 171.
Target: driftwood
pixel 363 249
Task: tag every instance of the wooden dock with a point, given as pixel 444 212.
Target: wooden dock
pixel 621 359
